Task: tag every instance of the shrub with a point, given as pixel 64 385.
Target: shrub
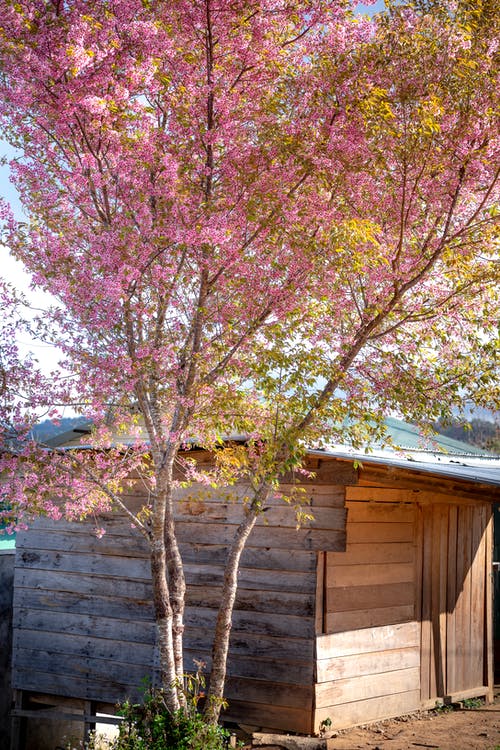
pixel 150 726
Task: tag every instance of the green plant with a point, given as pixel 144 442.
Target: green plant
pixel 325 725
pixel 471 703
pixel 151 726
pixel 467 704
pixel 441 708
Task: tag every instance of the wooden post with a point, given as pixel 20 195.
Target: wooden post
pixel 443 590
pixel 419 561
pixel 18 735
pixel 320 592
pixel 451 625
pixel 488 640
pixel 426 652
pixel 89 711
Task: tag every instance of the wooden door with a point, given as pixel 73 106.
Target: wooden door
pixel 455 593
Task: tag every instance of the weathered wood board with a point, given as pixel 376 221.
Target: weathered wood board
pixel 369 657
pixel 84 621
pixel 382 591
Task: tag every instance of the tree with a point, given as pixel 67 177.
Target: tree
pixel 266 218
pixel 477 432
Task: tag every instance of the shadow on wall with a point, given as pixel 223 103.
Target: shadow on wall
pixel 7 556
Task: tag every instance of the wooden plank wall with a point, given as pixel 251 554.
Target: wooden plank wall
pixel 407 607
pixel 368 662
pixel 83 619
pixel 6 593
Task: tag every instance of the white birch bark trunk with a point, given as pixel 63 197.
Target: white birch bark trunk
pixel 223 625
pixel 168 587
pixel 164 621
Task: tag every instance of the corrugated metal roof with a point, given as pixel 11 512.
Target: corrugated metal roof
pixel 7 544
pixel 409 437
pixel 402 434
pixel 436 454
pixel 484 470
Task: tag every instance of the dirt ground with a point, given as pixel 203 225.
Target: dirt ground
pixel 469 726
pixel 465 729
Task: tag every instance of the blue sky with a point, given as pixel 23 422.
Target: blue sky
pixel 13 271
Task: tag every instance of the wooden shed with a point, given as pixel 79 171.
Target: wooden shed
pixel 381 606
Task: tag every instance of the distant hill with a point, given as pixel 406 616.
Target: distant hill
pixel 479 432
pixel 47 429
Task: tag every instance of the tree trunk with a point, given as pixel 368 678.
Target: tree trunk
pixel 225 615
pixel 164 623
pixel 168 584
pixel 177 584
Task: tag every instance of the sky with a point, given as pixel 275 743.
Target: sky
pixel 13 271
